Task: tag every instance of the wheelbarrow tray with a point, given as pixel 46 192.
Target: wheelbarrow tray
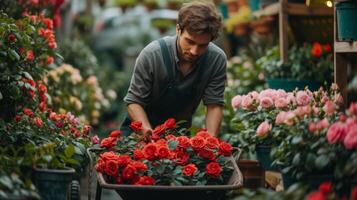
pixel 186 192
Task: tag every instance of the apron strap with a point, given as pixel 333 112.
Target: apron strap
pixel 167 59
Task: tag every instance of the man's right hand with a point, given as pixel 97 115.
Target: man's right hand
pixel 146 133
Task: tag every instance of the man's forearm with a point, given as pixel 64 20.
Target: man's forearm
pixel 137 113
pixel 213 119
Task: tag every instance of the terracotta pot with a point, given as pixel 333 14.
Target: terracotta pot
pixel 253 174
pixel 263 26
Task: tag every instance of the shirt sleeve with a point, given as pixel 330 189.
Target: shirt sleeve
pixel 140 87
pixel 214 92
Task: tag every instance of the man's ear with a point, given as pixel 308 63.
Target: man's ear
pixel 178 29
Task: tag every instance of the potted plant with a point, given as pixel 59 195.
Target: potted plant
pixel 345 12
pixel 305 154
pixel 309 65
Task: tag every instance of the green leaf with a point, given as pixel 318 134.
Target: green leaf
pixel 69 151
pixel 296 159
pixel 172 144
pixel 72 161
pixel 14 55
pixel 27 75
pixel 6 181
pixel 47 158
pixel 322 161
pixel 59 56
pixel 1 96
pixel 296 139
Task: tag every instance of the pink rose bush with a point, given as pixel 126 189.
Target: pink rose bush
pixel 261 118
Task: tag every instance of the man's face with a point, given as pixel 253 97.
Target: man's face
pixel 191 46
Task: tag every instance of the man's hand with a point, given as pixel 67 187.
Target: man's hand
pixel 137 113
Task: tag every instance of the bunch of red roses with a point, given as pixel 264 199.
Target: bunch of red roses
pixel 168 159
pixel 326 191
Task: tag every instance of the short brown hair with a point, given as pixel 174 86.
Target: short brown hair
pixel 200 17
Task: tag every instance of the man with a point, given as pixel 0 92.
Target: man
pixel 172 75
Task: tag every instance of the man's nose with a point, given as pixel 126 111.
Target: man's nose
pixel 194 50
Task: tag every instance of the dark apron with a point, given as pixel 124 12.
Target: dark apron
pixel 173 99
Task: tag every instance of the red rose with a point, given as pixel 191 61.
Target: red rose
pixel 150 151
pixel 327 48
pixel 115 134
pixel 225 149
pixel 38 122
pixel 163 152
pixel 28 112
pixel 316 49
pixel 12 38
pixel 100 166
pixel 49 60
pixel 18 118
pixel 86 129
pixel 213 169
pixel 316 196
pixel 123 160
pixel 203 134
pixel 160 129
pixel 111 168
pixel 119 180
pixel 170 123
pixel 181 158
pixel 212 142
pixel 29 56
pixel 146 180
pixel 189 170
pixel 128 172
pixel 170 137
pixel 326 187
pixel 184 141
pixel 42 106
pixel 197 142
pixel 136 126
pixel 42 88
pixel 108 156
pixel 207 154
pixel 108 143
pixel 138 154
pixel 139 166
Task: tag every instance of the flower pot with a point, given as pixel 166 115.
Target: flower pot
pixel 290 84
pixel 254 5
pixel 263 156
pixel 253 174
pixel 313 181
pixel 241 29
pixel 53 183
pixel 263 26
pixel 346 14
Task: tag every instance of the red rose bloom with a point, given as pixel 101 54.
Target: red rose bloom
pixel 181 158
pixel 12 38
pixel 326 187
pixel 225 149
pixel 170 123
pixel 136 126
pixel 316 196
pixel 197 142
pixel 316 49
pixel 18 118
pixel 115 134
pixel 327 48
pixel 150 151
pixel 108 143
pixel 100 166
pixel 123 160
pixel 203 134
pixel 42 88
pixel 49 60
pixel 163 152
pixel 189 170
pixel 28 112
pixel 213 169
pixel 111 168
pixel 42 106
pixel 128 172
pixel 184 141
pixel 108 156
pixel 212 142
pixel 138 154
pixel 170 137
pixel 354 193
pixel 29 56
pixel 139 166
pixel 146 180
pixel 160 129
pixel 209 155
pixel 38 122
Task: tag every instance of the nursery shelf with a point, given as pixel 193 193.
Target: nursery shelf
pixel 294 9
pixel 346 47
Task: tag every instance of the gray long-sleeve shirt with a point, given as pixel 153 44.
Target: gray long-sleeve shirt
pixel 150 78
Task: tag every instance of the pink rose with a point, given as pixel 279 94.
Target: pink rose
pixel 281 103
pixel 329 108
pixel 281 93
pixel 336 132
pixel 266 102
pixel 263 129
pixel 280 118
pixel 302 98
pixel 291 98
pixel 352 110
pixel 312 127
pixel 268 93
pixel 95 139
pixel 236 101
pixel 299 111
pixel 247 102
pixel 350 140
pixel 338 99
